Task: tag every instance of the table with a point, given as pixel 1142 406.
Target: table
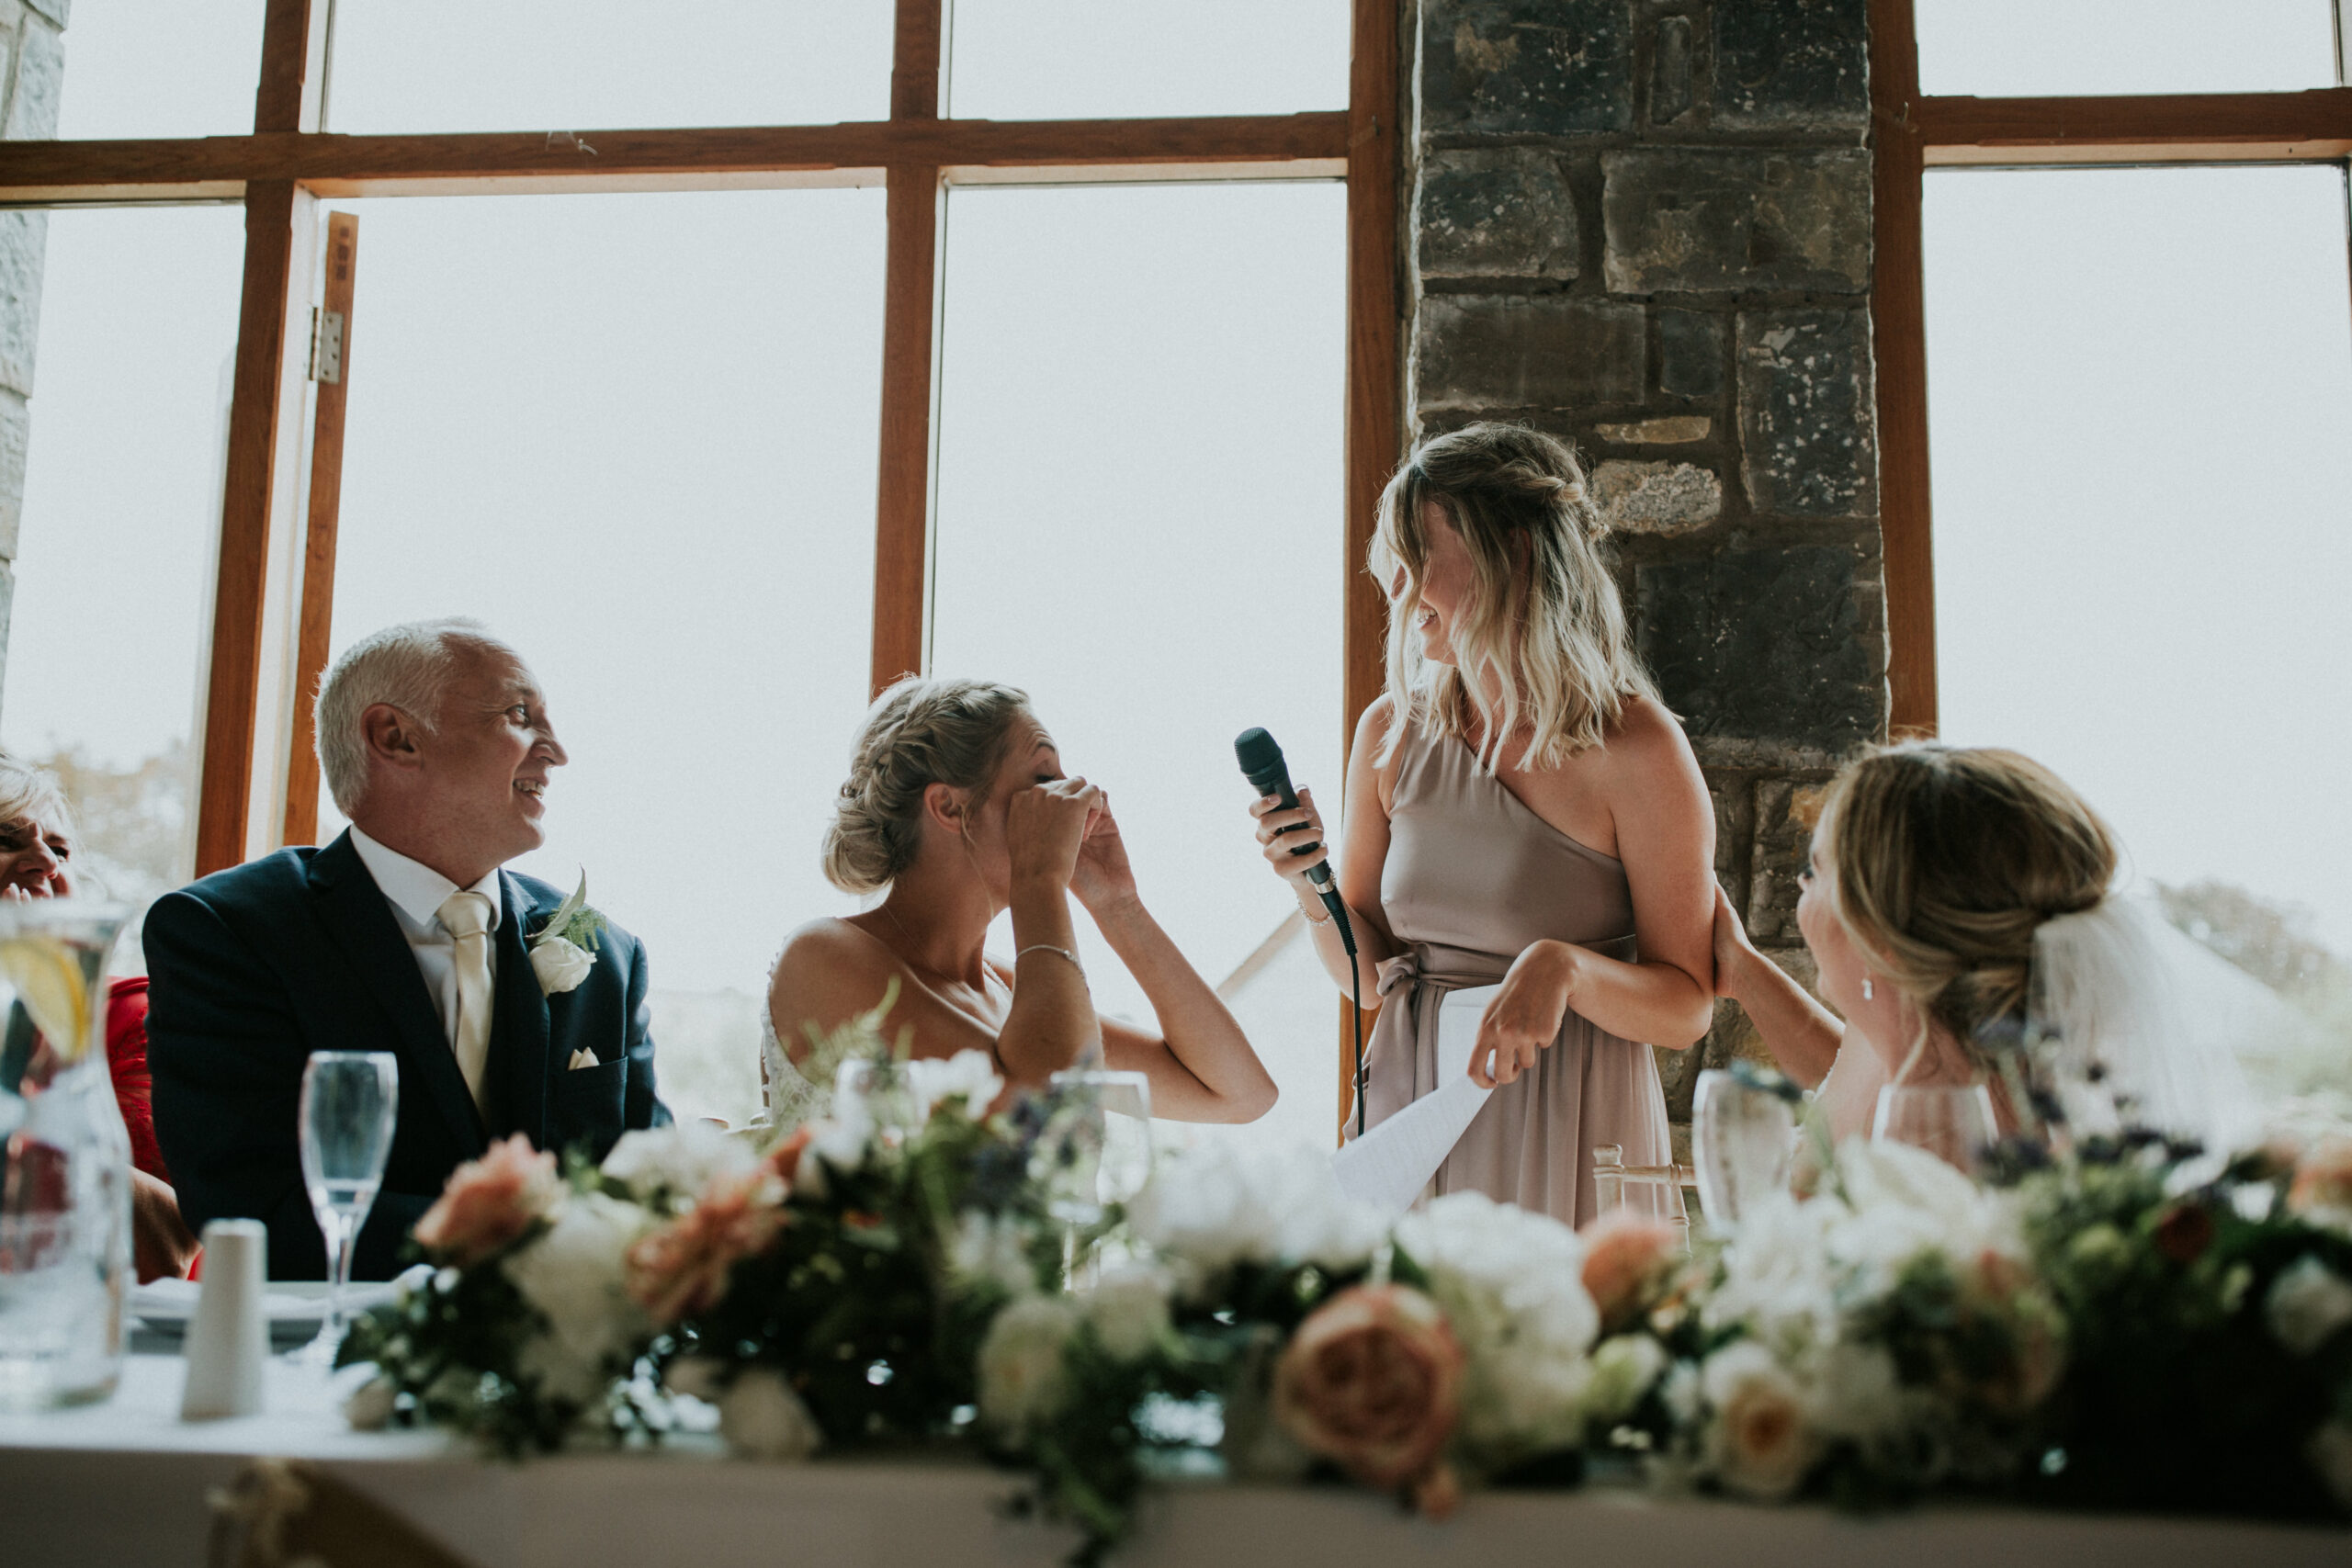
pixel 124 1484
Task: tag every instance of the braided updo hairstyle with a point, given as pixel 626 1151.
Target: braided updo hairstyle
pixel 1945 859
pixel 919 732
pixel 1545 620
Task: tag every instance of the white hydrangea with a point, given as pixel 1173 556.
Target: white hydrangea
pixel 967 1075
pixel 573 1275
pixel 1511 1283
pixel 676 1162
pixel 989 1250
pixel 1217 1205
pixel 1022 1379
pixel 2308 1302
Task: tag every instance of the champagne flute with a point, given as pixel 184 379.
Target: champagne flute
pixel 350 1103
pixel 1095 1151
pixel 1953 1123
pixel 1745 1131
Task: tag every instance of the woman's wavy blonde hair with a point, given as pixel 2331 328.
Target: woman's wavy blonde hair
pixel 1944 860
pixel 1544 628
pixel 919 732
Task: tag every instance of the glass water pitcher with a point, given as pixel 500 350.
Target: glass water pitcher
pixel 65 1179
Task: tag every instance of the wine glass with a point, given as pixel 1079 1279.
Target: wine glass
pixel 1746 1137
pixel 1095 1151
pixel 350 1103
pixel 1953 1122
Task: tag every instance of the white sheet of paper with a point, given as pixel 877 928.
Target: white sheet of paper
pixel 1388 1166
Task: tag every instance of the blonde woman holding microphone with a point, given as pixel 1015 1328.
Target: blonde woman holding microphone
pixel 1522 809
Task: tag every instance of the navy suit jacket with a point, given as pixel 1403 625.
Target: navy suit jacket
pixel 253 968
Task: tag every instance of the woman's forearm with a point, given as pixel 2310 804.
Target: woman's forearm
pixel 1051 1023
pixel 1211 1073
pixel 1323 930
pixel 1652 1002
pixel 1801 1034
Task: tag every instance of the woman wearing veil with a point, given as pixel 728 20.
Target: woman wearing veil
pixel 1960 903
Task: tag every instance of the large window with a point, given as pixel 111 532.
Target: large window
pixel 2115 324
pixel 721 446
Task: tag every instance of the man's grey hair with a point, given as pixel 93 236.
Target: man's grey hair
pixel 409 666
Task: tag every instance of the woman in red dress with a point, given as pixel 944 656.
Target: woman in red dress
pixel 36 861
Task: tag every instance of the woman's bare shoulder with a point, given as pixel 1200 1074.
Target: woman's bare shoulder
pixel 828 948
pixel 1648 740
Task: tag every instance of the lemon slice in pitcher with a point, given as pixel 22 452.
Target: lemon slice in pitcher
pixel 49 984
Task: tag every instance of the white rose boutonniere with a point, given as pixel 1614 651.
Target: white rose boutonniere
pixel 564 949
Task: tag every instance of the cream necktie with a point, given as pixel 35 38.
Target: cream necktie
pixel 465 917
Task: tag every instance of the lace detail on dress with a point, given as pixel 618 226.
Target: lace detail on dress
pixel 791 1098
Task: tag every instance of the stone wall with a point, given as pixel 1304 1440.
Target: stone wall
pixel 1646 225
pixel 32 67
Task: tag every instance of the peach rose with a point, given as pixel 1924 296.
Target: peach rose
pixel 785 1158
pixel 2322 1184
pixel 1374 1379
pixel 490 1202
pixel 1625 1253
pixel 681 1267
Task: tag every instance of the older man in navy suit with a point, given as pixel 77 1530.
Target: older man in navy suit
pixel 403 935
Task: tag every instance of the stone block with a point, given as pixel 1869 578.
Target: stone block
pixel 1657 498
pixel 1672 430
pixel 15 425
pixel 1677 1072
pixel 1734 797
pixel 24 237
pixel 1690 353
pixel 1807 419
pixel 1687 221
pixel 1488 351
pixel 1793 65
pixel 57 11
pixel 1763 645
pixel 1496 212
pixel 1787 811
pixel 40 73
pixel 7 602
pixel 1544 67
pixel 1671 69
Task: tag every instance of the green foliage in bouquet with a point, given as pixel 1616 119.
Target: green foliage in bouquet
pixel 2208 1328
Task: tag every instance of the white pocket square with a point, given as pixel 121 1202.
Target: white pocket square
pixel 584 1059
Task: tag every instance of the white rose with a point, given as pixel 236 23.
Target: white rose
pixel 560 965
pixel 2308 1302
pixel 2331 1455
pixel 761 1417
pixel 1623 1367
pixel 681 1159
pixel 1858 1393
pixel 1022 1377
pixel 1128 1310
pixel 696 1377
pixel 1758 1444
pixel 369 1408
pixel 572 1275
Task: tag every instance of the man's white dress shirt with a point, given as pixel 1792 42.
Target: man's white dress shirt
pixel 416 893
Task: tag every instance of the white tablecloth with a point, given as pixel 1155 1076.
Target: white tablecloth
pixel 124 1484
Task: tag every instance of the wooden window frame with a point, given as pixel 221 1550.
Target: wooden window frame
pixel 1914 133
pixel 268 637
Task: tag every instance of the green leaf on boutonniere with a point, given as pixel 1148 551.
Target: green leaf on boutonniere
pixel 573 921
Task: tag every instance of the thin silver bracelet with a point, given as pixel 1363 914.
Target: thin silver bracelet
pixel 1048 947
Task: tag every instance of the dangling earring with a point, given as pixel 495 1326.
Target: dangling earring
pixel 1868 994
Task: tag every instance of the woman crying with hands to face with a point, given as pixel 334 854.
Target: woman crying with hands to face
pixel 956 809
pixel 1520 809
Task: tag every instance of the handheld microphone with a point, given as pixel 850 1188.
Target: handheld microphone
pixel 1263 765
